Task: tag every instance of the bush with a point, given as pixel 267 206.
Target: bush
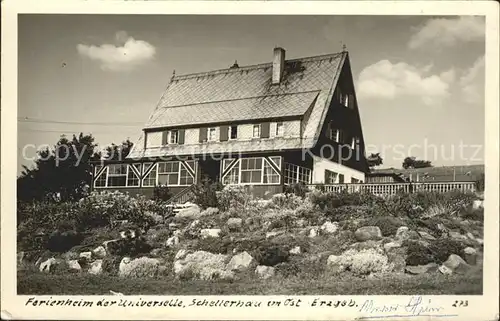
pixel 473 215
pixel 297 189
pixel 161 193
pixel 111 264
pixel 417 253
pixel 437 252
pixel 271 256
pixel 233 197
pixel 388 224
pixel 480 183
pixel 365 261
pixel 289 201
pixel 205 193
pixel 443 248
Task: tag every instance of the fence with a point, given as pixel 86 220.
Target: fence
pixel 393 188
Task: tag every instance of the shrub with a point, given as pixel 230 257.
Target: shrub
pixel 365 261
pixel 290 201
pixel 417 253
pixel 480 183
pixel 443 248
pixel 111 264
pixel 215 245
pixel 437 252
pixel 271 256
pixel 298 189
pixel 233 197
pixel 473 215
pixel 205 193
pixel 388 224
pixel 161 193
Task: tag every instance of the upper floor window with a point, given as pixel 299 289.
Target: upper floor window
pixel 233 132
pixel 280 129
pixel 354 142
pixel 173 137
pixel 336 135
pixel 212 134
pixel 256 131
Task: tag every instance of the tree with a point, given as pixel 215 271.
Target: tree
pixel 374 160
pixel 62 173
pixel 119 152
pixel 412 162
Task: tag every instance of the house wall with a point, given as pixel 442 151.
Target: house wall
pixel 245 132
pixel 322 164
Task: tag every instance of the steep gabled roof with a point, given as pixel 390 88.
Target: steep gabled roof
pixel 246 93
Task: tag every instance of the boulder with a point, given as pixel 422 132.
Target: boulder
pixel 241 262
pixel 301 223
pixel 274 233
pixel 234 223
pixel 48 265
pixel 174 240
pixel 421 269
pixel 370 244
pixel 454 264
pixel 457 236
pixel 177 233
pixel 329 227
pixel 155 252
pixel 95 267
pixel 334 264
pixel 313 232
pixel 99 252
pixel 86 255
pixel 190 211
pixel 210 232
pixel 264 272
pixel 109 245
pixel 140 267
pixel 173 226
pixel 73 265
pixel 367 233
pixel 181 254
pixel 404 233
pixel 295 251
pixel 477 204
pixel 202 265
pixel 194 224
pixel 210 211
pixel 388 247
pixel 426 236
pixel 470 255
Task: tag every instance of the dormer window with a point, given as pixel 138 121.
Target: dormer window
pixel 280 129
pixel 354 142
pixel 345 100
pixel 212 134
pixel 173 137
pixel 256 131
pixel 233 132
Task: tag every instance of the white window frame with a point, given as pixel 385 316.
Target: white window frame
pixel 345 100
pixel 259 130
pixel 179 170
pixel 336 137
pixel 280 129
pixel 209 131
pixel 262 173
pixel 173 137
pixel 334 174
pixel 152 167
pixel 354 142
pixel 229 131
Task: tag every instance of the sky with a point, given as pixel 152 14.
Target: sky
pixel 419 80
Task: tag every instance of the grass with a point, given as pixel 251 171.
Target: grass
pixel 84 284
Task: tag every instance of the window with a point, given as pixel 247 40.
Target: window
pixel 150 179
pixel 336 135
pixel 354 142
pixel 233 132
pixel 355 180
pixel 341 178
pixel 270 175
pixel 280 129
pixel 173 137
pixel 330 177
pixel 345 100
pixel 276 160
pixel 232 177
pixel 251 170
pixel 117 175
pixel 100 181
pixel 132 178
pixel 295 174
pixel 185 177
pixel 168 173
pixel 256 131
pixel 212 134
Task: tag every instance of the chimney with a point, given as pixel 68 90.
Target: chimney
pixel 278 64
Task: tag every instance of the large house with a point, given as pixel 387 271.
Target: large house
pixel 263 126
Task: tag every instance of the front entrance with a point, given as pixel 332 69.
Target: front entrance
pixel 210 169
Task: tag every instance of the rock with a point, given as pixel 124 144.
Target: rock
pixel 177 233
pixel 274 234
pixel 155 252
pixel 240 262
pixel 334 264
pixel 86 255
pixel 404 233
pixel 71 255
pixel 48 265
pixel 454 264
pixel 264 272
pixel 174 240
pixel 301 223
pixel 73 265
pixel 470 255
pixel 313 232
pixel 181 254
pixel 99 252
pixel 370 244
pixel 202 265
pixel 191 211
pixel 470 236
pixel 421 269
pixel 95 267
pixel 20 257
pixel 110 245
pixel 329 227
pixel 426 236
pixel 210 211
pixel 366 233
pixel 140 267
pixel 193 224
pixel 115 293
pixel 295 251
pixel 457 236
pixel 391 245
pixel 234 223
pixel 210 232
pixel 397 259
pixel 477 204
pixel 479 241
pixel 173 226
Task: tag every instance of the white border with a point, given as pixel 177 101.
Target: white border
pixel 483 307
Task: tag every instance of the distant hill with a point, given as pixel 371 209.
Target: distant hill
pixel 439 173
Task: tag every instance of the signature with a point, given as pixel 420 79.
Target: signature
pixel 414 308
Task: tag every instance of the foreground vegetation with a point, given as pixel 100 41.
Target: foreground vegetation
pixel 300 242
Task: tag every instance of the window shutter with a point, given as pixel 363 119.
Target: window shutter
pixel 264 130
pixel 164 138
pixel 180 138
pixel 224 133
pixel 203 134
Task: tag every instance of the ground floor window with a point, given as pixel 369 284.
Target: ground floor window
pixel 330 177
pixel 297 174
pixel 118 175
pixel 174 173
pixel 252 170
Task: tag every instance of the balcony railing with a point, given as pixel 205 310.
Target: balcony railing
pixel 393 188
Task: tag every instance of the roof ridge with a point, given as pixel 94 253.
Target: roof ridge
pixel 255 66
